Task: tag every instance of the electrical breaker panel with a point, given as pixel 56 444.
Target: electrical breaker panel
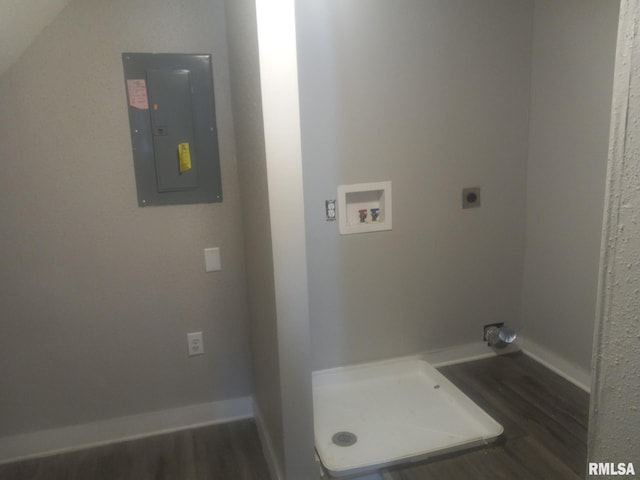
pixel 173 128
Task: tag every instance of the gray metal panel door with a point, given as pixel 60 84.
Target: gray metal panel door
pixel 172 108
pixel 172 125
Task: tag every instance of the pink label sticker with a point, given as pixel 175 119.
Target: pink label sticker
pixel 137 90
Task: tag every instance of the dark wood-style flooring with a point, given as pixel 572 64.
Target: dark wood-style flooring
pixel 217 452
pixel 544 418
pixel 545 434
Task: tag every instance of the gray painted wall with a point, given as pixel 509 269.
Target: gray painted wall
pixel 433 96
pixel 572 77
pixel 96 294
pixel 615 407
pixel 106 291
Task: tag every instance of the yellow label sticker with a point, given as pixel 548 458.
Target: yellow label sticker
pixel 185 157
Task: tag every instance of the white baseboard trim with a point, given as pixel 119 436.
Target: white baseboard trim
pixel 77 437
pixel 464 353
pixel 267 444
pixel 580 377
pixel 436 358
pixel 479 350
pixel 469 352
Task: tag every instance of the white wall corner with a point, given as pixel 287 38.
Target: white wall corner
pixel 276 28
pixel 614 421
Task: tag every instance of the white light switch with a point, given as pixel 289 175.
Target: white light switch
pixel 212 260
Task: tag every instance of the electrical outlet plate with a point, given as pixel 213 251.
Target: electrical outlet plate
pixel 195 343
pixel 330 210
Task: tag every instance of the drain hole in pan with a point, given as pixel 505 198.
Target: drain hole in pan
pixel 344 439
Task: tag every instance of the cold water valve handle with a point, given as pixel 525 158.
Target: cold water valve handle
pixel 375 213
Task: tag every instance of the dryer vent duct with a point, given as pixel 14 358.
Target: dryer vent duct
pixel 498 336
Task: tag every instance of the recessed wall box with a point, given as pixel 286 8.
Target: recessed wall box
pixel 173 128
pixel 364 207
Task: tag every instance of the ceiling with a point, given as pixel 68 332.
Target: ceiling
pixel 21 21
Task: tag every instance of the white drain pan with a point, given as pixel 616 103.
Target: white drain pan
pixel 400 411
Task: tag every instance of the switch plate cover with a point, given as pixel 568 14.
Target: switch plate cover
pixel 212 262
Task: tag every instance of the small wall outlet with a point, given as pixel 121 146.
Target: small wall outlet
pixel 195 343
pixel 330 210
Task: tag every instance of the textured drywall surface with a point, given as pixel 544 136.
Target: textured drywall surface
pixel 572 79
pixel 433 96
pixel 97 294
pixel 615 407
